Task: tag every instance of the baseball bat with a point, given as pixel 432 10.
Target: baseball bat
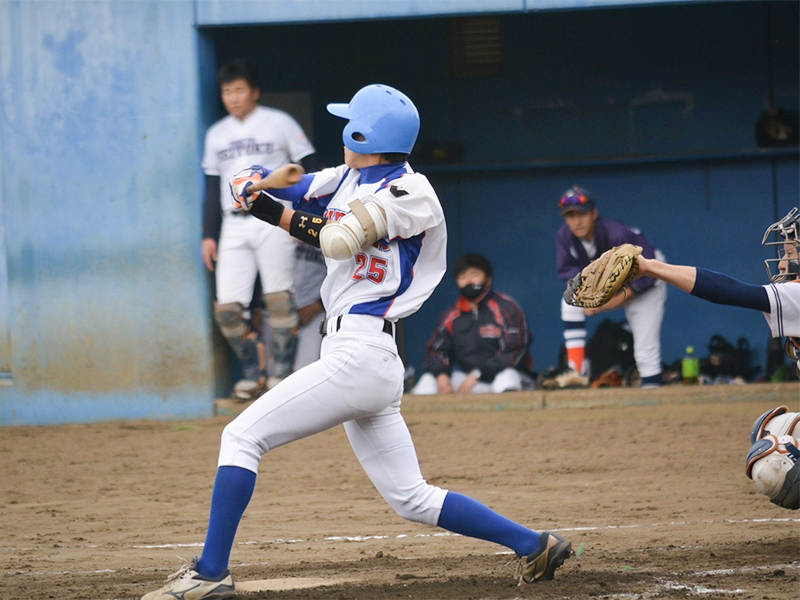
pixel 280 178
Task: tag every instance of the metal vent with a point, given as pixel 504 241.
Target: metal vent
pixel 477 48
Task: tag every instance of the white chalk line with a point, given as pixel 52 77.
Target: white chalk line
pixel 364 538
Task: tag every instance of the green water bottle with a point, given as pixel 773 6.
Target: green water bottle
pixel 690 367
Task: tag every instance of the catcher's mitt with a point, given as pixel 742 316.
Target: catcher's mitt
pixel 602 278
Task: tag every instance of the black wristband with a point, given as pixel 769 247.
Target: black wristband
pixel 267 209
pixel 306 226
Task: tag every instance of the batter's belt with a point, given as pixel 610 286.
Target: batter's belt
pixel 330 326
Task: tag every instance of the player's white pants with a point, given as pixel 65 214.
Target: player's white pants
pixel 248 246
pixel 507 380
pixel 645 313
pixel 309 343
pixel 358 381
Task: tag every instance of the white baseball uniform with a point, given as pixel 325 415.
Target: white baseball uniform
pixel 247 246
pixel 358 380
pixel 784 304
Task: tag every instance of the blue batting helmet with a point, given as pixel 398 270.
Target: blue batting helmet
pixel 386 117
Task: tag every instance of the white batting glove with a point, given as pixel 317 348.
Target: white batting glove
pixel 239 184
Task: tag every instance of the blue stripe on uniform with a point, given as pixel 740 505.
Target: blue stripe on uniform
pixel 408 251
pixel 317 205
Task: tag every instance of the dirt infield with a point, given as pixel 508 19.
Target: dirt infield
pixel 648 485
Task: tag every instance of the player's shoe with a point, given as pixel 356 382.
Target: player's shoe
pixel 248 389
pixel 188 584
pixel 272 381
pixel 572 379
pixel 564 380
pixel 553 550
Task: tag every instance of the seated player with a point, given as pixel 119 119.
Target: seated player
pixel 481 343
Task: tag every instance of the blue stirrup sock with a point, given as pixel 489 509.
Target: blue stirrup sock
pixel 461 514
pixel 233 489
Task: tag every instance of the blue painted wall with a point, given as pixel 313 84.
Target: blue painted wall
pixel 107 307
pixel 103 106
pixel 653 109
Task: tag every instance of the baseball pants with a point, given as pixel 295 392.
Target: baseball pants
pixel 308 344
pixel 358 381
pixel 507 380
pixel 645 313
pixel 248 246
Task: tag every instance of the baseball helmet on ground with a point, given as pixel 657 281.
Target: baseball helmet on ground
pixel 385 117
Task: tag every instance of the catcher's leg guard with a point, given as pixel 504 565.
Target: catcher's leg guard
pixel 230 318
pixel 772 465
pixel 757 431
pixel 283 325
pixel 789 494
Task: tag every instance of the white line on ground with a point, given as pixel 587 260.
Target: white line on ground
pixel 363 538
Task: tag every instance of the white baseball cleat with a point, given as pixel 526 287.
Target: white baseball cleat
pixel 188 584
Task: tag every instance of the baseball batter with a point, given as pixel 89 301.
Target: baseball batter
pixel 382 230
pixel 772 462
pixel 247 247
pixel 585 236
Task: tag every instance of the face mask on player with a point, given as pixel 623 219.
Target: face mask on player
pixel 784 237
pixel 472 290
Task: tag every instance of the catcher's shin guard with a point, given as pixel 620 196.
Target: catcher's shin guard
pixel 241 337
pixel 553 550
pixel 283 326
pixel 789 494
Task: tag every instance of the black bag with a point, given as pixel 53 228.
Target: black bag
pixel 725 359
pixel 610 346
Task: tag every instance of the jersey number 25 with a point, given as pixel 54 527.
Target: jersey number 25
pixel 375 268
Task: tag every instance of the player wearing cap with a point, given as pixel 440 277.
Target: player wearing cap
pixel 382 230
pixel 584 237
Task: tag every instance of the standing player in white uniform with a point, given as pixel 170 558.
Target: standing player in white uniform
pixel 382 230
pixel 247 247
pixel 774 458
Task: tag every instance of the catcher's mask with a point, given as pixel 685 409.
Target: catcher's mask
pixel 385 117
pixel 784 236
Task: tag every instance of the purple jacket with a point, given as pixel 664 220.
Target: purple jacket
pixel 607 234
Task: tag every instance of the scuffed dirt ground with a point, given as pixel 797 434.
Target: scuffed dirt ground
pixel 654 494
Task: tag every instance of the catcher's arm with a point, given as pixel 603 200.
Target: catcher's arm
pixel 681 277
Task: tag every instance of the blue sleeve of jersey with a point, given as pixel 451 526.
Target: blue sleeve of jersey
pixel 294 194
pixel 722 289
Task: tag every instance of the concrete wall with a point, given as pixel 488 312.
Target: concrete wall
pixel 107 307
